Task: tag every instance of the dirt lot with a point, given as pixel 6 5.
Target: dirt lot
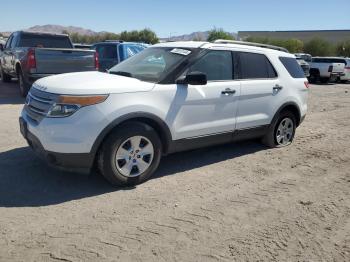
pixel 238 202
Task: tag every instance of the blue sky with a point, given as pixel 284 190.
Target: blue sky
pixel 179 16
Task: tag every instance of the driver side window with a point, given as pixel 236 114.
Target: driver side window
pixel 217 65
pixel 8 43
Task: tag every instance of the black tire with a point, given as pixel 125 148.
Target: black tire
pixel 270 139
pixel 4 77
pixel 24 86
pixel 314 76
pixel 106 158
pixel 324 80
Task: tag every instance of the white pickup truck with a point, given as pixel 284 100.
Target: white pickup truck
pixel 326 69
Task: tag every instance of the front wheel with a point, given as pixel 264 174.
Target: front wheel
pixel 130 155
pixel 282 130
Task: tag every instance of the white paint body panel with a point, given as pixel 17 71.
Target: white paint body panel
pixel 86 83
pixel 190 111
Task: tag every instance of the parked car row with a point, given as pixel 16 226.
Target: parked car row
pixel 29 56
pixel 324 69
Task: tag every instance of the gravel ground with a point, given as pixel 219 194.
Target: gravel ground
pixel 237 202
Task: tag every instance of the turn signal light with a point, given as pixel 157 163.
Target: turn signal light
pixel 82 100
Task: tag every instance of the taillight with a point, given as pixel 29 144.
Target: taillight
pixel 330 69
pixel 97 64
pixel 306 83
pixel 348 67
pixel 31 61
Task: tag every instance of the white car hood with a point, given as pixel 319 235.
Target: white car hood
pixel 85 83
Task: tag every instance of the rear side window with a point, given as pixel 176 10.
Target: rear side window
pixel 292 67
pixel 14 40
pixel 255 66
pixel 129 50
pixel 328 60
pixel 107 51
pixel 8 43
pixel 217 65
pixel 46 41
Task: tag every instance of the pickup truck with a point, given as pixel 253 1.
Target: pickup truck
pixel 326 69
pixel 304 65
pixel 29 56
pixel 112 52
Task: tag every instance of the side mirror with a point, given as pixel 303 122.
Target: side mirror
pixel 1 47
pixel 193 78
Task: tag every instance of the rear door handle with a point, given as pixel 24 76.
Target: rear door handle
pixel 277 88
pixel 228 91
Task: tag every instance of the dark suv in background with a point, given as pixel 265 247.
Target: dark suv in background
pixel 112 52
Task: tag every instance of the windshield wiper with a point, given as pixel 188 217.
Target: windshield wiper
pixel 121 73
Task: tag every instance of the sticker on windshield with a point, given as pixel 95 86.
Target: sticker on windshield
pixel 180 51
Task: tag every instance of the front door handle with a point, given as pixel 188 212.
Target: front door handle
pixel 228 91
pixel 277 88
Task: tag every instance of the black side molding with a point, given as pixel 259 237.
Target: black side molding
pixel 217 139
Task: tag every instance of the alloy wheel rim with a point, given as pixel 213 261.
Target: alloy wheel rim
pixel 134 156
pixel 285 130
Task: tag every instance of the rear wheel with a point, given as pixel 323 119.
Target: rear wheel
pixel 4 77
pixel 314 76
pixel 24 86
pixel 130 155
pixel 324 80
pixel 282 130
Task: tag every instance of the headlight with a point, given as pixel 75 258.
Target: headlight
pixel 68 105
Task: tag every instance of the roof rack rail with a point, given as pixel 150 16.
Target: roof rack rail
pixel 111 40
pixel 223 41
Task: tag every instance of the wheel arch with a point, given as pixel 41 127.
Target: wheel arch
pixel 18 67
pixel 314 71
pixel 147 118
pixel 292 107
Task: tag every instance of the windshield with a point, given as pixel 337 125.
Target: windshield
pixel 152 64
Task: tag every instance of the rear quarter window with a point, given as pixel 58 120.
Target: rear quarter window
pixel 292 66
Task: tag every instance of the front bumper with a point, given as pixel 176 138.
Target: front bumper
pixel 74 162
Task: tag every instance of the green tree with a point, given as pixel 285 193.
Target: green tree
pixel 215 34
pixel 146 35
pixel 343 48
pixel 261 40
pixel 319 47
pixel 292 45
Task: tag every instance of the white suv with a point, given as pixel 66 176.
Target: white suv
pixel 168 98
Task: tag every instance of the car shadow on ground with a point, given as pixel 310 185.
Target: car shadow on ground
pixel 26 181
pixel 9 93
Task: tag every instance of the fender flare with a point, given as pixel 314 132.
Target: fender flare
pixel 165 134
pixel 284 106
